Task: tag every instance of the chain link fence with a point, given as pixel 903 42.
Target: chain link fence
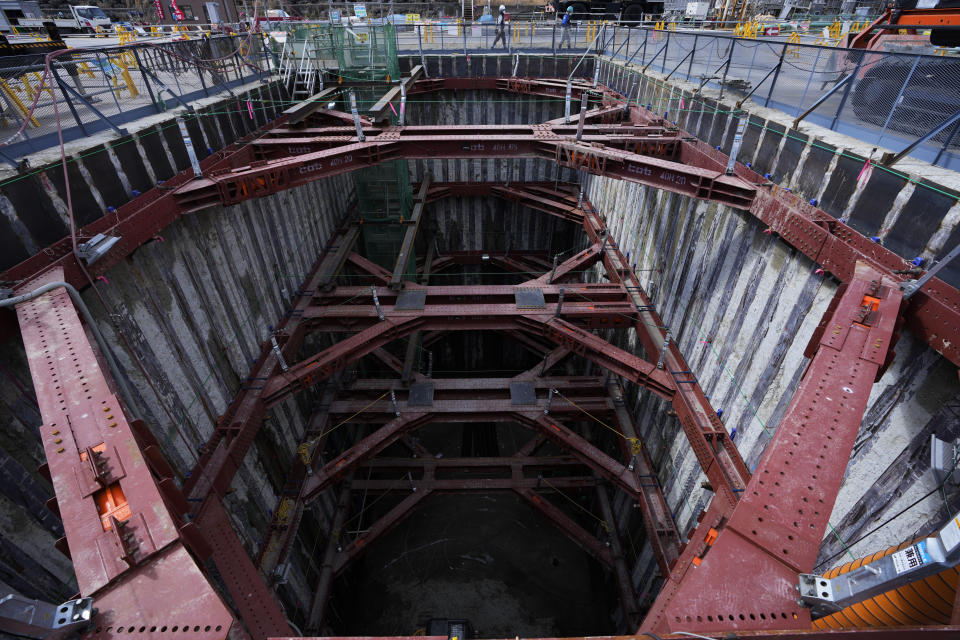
pixel 899 101
pixel 102 88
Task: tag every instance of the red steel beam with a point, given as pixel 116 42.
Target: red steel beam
pixel 265 177
pixel 717 455
pixel 583 538
pixel 777 526
pixel 400 323
pixel 897 633
pixel 125 545
pixel 658 522
pixel 347 462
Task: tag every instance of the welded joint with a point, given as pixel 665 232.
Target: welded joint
pixel 566 104
pixel 556 314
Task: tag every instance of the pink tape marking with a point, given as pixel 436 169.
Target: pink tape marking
pixel 866 165
pixel 681 103
pixel 250 108
pixel 394 110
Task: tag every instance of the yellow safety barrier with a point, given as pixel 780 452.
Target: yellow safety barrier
pixel 747 30
pixel 83 67
pixel 793 52
pixel 835 29
pixel 127 78
pixel 17 102
pixel 98 32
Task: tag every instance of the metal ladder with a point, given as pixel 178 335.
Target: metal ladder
pixel 305 78
pixel 288 60
pixel 466 10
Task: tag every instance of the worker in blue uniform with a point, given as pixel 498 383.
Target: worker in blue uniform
pixel 565 25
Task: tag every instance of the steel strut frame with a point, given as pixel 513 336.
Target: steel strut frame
pixel 123 523
pixel 779 538
pixel 855 349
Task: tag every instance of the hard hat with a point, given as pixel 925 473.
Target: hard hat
pixel 570 9
pixel 502 8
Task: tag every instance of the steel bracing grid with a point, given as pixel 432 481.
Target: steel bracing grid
pixel 771 521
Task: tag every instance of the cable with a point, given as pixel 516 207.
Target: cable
pixel 895 516
pixel 88 317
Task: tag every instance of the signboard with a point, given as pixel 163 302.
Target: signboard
pixel 159 7
pixel 334 16
pixel 175 10
pixel 411 18
pixel 360 10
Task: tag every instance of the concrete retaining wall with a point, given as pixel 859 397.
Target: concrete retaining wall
pixel 742 306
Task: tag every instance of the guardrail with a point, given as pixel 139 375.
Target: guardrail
pixel 102 88
pixel 909 103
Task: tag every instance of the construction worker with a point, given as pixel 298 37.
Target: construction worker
pixel 501 28
pixel 565 25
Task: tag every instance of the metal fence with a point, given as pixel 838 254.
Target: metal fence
pixel 102 88
pixel 899 101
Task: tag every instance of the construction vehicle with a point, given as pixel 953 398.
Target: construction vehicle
pixel 942 19
pixel 84 18
pixel 933 93
pixel 627 11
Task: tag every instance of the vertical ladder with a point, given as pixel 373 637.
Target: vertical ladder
pixel 467 11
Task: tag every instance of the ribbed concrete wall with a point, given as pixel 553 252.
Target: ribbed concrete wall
pixel 742 306
pixel 195 308
pixel 181 304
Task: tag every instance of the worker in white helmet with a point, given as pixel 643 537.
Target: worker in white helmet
pixel 565 26
pixel 502 19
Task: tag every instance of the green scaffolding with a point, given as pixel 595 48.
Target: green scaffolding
pixel 362 52
pixel 384 201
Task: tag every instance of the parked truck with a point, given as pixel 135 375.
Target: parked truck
pixel 629 11
pixel 83 18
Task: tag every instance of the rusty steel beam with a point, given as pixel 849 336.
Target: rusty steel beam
pixel 123 528
pixel 378 275
pixel 572 266
pixel 406 245
pixel 474 485
pixel 583 538
pixel 265 177
pixel 236 429
pixel 282 529
pixel 894 633
pixel 628 598
pixel 398 323
pixel 382 526
pixel 321 594
pixel 658 522
pixel 777 526
pixel 717 455
pixel 347 462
